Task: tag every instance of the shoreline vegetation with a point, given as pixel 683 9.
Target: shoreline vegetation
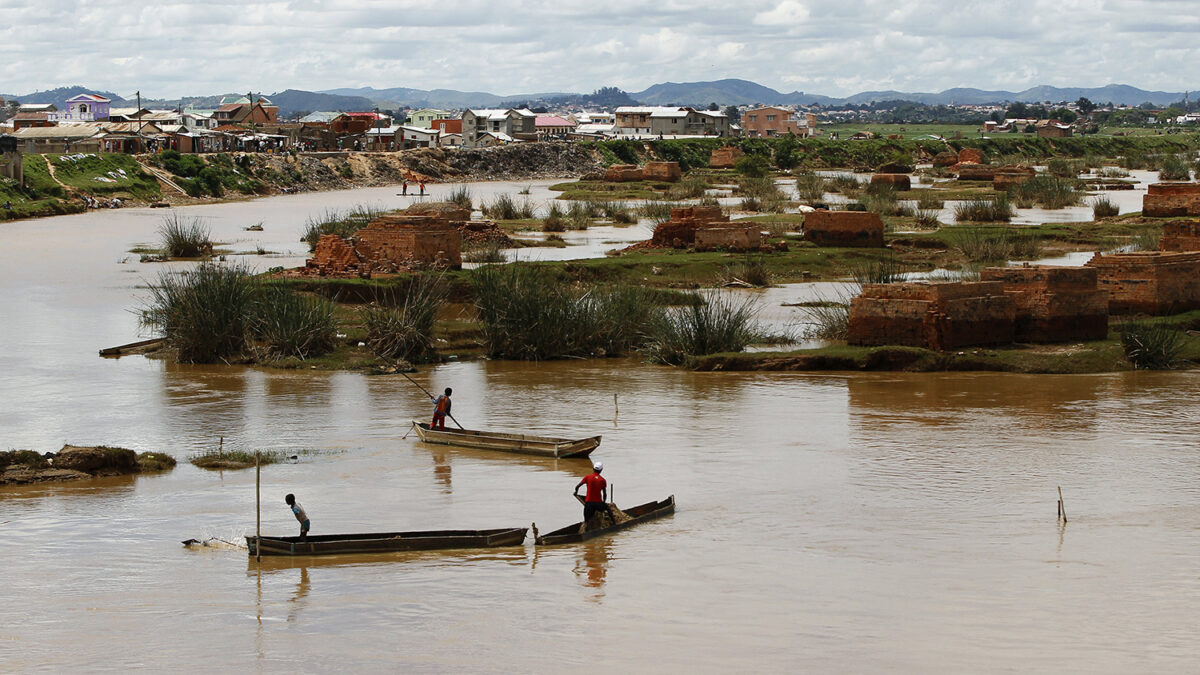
pixel 658 303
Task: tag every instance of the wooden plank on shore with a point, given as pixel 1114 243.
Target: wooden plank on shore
pixel 122 349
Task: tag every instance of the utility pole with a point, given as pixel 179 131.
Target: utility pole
pixel 139 114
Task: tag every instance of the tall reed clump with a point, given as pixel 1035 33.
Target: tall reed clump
pixel 1173 167
pixel 1103 207
pixel 580 215
pixel 505 207
pixel 1048 192
pixel 927 218
pixel 184 237
pixel 691 187
pixel 751 269
pixel 884 270
pixel 980 244
pixel 400 322
pixel 1146 240
pixel 555 220
pixel 205 312
pixel 984 209
pixel 1064 168
pixel 461 196
pixel 844 183
pixel 342 223
pixel 656 210
pixel 1113 172
pixel 488 251
pixel 618 212
pixel 810 187
pixel 1153 345
pixel 881 199
pixel 531 313
pixel 724 323
pixel 286 323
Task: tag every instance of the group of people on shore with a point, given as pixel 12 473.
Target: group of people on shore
pixel 594 501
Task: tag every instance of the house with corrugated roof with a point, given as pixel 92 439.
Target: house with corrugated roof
pixel 504 126
pixel 84 108
pixel 553 125
pixel 670 121
pixel 424 117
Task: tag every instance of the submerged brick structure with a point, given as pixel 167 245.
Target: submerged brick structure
pixel 937 316
pixel 899 182
pixel 389 244
pixel 623 173
pixel 1054 304
pixel 1180 236
pixel 724 158
pixel 680 230
pixel 1165 200
pixel 1007 176
pixel 668 172
pixel 1149 282
pixel 861 229
pixel 729 236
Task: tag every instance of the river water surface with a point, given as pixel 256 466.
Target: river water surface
pixel 825 523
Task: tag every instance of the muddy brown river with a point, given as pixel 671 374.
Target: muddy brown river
pixel 826 522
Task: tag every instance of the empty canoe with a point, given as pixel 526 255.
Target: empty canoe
pixel 386 542
pixel 639 514
pixel 543 446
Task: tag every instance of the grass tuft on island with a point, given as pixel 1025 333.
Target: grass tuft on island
pixel 235 459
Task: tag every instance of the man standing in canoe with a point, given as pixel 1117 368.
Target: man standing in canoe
pixel 441 408
pixel 597 492
pixel 298 511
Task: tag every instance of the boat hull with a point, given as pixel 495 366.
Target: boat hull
pixel 542 446
pixel 385 542
pixel 638 515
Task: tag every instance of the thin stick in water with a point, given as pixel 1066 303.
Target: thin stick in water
pixel 1062 508
pixel 258 505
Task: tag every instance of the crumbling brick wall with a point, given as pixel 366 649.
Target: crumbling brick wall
pixel 1180 236
pixel 1054 304
pixel 333 256
pixel 1164 200
pixel 623 173
pixel 724 158
pixel 680 230
pixel 899 182
pixel 389 244
pixel 937 316
pixel 975 172
pixel 730 237
pixel 946 158
pixel 668 172
pixel 861 229
pixel 970 156
pixel 1149 282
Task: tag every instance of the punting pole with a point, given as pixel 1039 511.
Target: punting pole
pixel 258 506
pixel 1062 508
pixel 429 395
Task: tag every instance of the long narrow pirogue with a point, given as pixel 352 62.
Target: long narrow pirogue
pixel 525 444
pixel 386 542
pixel 572 534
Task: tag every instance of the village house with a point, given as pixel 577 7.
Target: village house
pixel 37 108
pixel 84 108
pixel 246 113
pixel 553 125
pixel 499 126
pixel 584 117
pixel 319 117
pixel 26 120
pixel 670 121
pixel 447 126
pixel 768 122
pixel 425 117
pixel 1052 129
pixel 11 163
pixel 354 123
pixel 59 138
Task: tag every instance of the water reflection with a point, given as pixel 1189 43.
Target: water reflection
pixel 591 566
pixel 298 595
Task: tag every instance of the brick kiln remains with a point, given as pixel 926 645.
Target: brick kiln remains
pixel 724 158
pixel 389 244
pixel 1054 304
pixel 861 229
pixel 1165 200
pixel 1149 282
pixel 937 316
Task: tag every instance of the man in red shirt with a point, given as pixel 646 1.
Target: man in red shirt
pixel 597 492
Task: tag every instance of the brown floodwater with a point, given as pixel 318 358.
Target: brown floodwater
pixel 826 522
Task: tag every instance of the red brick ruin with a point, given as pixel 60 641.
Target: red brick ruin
pixel 623 173
pixel 666 172
pixel 1054 304
pixel 680 230
pixel 937 316
pixel 1165 200
pixel 1180 236
pixel 389 244
pixel 861 229
pixel 899 182
pixel 1149 282
pixel 725 158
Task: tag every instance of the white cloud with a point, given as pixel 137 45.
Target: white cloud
pixel 836 47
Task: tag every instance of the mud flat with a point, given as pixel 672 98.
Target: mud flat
pixel 74 463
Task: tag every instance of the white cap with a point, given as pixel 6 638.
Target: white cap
pixel 598 466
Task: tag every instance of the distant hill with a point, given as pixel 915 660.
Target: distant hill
pixel 291 101
pixel 722 92
pixel 404 97
pixel 60 95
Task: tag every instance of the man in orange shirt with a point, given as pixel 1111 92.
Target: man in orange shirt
pixel 597 492
pixel 441 408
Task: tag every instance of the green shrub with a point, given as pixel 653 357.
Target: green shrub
pixel 505 207
pixel 885 270
pixel 1049 192
pixel 753 166
pixel 984 209
pixel 1103 207
pixel 689 188
pixel 400 323
pixel 342 223
pixel 810 187
pixel 988 244
pixel 555 220
pixel 1173 167
pixel 461 195
pixel 489 251
pixel 751 269
pixel 1153 345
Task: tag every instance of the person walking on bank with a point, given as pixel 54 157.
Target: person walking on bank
pixel 422 188
pixel 597 492
pixel 441 408
pixel 301 516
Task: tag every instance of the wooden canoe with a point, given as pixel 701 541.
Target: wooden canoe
pixel 544 446
pixel 386 542
pixel 638 514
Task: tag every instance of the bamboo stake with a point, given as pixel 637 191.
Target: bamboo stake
pixel 1062 509
pixel 616 409
pixel 258 505
pixel 221 448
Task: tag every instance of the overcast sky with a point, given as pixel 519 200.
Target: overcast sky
pixel 169 48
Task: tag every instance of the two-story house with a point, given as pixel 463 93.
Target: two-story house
pixel 424 117
pixel 500 125
pixel 670 121
pixel 769 121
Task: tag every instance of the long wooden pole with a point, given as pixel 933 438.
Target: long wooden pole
pixel 429 395
pixel 1062 508
pixel 258 505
